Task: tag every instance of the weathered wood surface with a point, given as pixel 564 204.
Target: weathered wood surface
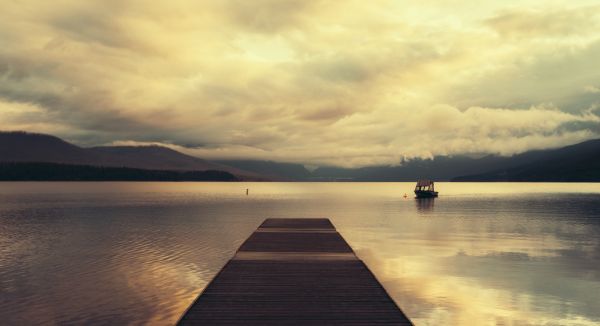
pixel 294 272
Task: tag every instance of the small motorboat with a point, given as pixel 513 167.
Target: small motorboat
pixel 425 189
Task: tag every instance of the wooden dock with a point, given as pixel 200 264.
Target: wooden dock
pixel 294 272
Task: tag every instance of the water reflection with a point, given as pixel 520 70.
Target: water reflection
pixel 123 253
pixel 424 205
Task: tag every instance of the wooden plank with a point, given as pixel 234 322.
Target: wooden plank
pixel 298 223
pixel 294 272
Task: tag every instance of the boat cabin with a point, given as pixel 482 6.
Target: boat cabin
pixel 425 189
pixel 425 185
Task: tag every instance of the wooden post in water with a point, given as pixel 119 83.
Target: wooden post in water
pixel 294 271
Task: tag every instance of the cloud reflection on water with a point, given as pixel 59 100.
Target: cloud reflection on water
pixel 141 252
pixel 532 266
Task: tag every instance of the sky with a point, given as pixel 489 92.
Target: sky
pixel 348 83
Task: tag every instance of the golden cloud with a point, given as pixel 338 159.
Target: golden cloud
pixel 347 83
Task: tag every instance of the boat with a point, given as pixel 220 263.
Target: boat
pixel 425 189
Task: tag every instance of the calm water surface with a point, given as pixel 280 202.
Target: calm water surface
pixel 139 253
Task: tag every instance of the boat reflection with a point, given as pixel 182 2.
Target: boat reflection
pixel 424 205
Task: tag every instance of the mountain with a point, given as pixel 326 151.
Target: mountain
pixel 575 163
pixel 41 171
pixel 270 169
pixel 151 157
pixel 572 163
pixel 440 168
pixel 30 147
pixel 578 162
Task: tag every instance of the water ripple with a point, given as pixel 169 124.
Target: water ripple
pixel 139 253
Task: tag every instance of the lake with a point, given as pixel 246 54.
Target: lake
pixel 140 253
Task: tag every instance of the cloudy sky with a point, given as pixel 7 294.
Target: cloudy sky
pixel 348 83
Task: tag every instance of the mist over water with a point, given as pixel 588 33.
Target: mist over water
pixel 481 253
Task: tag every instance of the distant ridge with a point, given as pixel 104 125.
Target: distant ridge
pixel 440 168
pixel 575 163
pixel 272 170
pixel 151 157
pixel 21 171
pixel 32 147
